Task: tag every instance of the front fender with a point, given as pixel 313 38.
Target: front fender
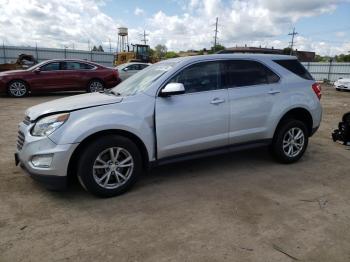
pixel 132 116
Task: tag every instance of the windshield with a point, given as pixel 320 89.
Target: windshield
pixel 143 79
pixel 36 65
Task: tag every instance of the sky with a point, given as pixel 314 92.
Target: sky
pixel 322 25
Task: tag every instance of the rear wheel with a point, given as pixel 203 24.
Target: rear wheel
pixel 95 86
pixel 290 141
pixel 17 88
pixel 109 166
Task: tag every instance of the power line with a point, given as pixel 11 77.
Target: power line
pixel 293 34
pixel 144 35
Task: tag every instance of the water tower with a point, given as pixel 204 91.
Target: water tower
pixel 123 40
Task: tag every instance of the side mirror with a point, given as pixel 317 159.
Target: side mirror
pixel 172 89
pixel 125 69
pixel 37 70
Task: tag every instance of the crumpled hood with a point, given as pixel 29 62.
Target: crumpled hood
pixel 72 103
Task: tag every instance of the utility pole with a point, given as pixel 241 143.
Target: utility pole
pixel 216 33
pixel 293 34
pixel 89 45
pixel 144 39
pixel 110 45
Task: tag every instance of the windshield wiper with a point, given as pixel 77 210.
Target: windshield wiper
pixel 115 93
pixel 109 91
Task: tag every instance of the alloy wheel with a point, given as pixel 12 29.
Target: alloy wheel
pixel 113 167
pixel 96 86
pixel 18 89
pixel 293 142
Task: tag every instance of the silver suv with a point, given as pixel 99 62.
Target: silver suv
pixel 174 110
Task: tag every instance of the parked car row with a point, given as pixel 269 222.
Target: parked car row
pixel 65 75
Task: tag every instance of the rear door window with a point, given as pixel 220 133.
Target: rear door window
pixel 296 67
pixel 72 66
pixel 51 67
pixel 236 73
pixel 86 66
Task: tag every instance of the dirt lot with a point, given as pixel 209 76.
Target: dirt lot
pixel 239 207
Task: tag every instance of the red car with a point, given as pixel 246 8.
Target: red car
pixel 58 75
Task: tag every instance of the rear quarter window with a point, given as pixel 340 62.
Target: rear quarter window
pixel 295 67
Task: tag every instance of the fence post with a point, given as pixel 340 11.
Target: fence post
pixel 329 70
pixel 3 48
pixel 36 53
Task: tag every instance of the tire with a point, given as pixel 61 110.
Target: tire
pixel 95 85
pixel 95 166
pixel 17 88
pixel 338 89
pixel 285 148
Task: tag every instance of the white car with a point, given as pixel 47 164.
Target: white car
pixel 342 84
pixel 129 69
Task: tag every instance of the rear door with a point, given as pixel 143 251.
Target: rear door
pixel 197 120
pixel 74 75
pixel 252 90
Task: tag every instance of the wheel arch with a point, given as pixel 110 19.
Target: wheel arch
pixel 95 78
pixel 72 165
pixel 300 114
pixel 18 79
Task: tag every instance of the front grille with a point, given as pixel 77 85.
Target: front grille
pixel 26 120
pixel 20 140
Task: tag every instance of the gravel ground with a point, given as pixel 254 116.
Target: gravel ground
pixel 237 207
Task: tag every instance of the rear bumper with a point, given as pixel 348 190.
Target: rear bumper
pixel 314 130
pixel 113 83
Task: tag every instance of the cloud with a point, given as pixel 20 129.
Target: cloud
pixel 253 22
pixel 55 23
pixel 138 11
pixel 340 34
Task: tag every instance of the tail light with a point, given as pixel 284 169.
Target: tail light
pixel 317 89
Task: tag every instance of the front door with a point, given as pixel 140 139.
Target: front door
pixel 48 78
pixel 197 120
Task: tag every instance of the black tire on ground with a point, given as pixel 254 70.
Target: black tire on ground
pixel 276 148
pixel 85 171
pixel 338 89
pixel 95 85
pixel 17 88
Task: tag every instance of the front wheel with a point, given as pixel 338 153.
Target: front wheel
pixel 290 141
pixel 17 88
pixel 109 166
pixel 95 86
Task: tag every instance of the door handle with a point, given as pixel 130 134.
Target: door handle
pixel 273 92
pixel 217 101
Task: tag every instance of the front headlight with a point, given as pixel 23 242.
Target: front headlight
pixel 49 124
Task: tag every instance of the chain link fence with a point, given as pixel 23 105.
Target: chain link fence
pixel 9 54
pixel 329 71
